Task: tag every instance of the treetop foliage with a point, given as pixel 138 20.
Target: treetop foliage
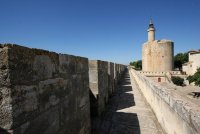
pixel 137 64
pixel 177 80
pixel 180 59
pixel 195 78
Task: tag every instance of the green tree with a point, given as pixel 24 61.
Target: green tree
pixel 177 80
pixel 180 59
pixel 190 79
pixel 195 78
pixel 137 64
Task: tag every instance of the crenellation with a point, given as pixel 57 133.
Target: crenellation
pixel 98 78
pixel 43 92
pixel 44 86
pixel 104 77
pixel 111 78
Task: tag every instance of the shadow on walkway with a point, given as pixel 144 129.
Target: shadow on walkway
pixel 114 119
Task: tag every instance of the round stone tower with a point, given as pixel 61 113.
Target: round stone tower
pixel 157 55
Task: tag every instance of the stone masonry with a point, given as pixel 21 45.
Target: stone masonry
pixel 127 112
pixel 116 74
pixel 43 92
pixel 48 93
pixel 98 77
pixel 175 113
pixel 110 78
pixel 103 77
pixel 157 55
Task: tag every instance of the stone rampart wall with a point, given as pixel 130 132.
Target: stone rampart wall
pixel 110 78
pixel 175 114
pixel 98 77
pixel 103 77
pixel 118 72
pixel 43 92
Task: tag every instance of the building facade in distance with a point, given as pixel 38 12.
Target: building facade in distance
pixel 157 55
pixel 191 67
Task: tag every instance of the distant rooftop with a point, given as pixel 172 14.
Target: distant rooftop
pixel 194 51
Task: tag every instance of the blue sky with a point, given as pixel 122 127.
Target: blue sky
pixel 112 30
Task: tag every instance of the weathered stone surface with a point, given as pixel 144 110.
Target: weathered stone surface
pixel 175 113
pixel 43 92
pixel 31 65
pixel 98 77
pixel 127 113
pixel 5 108
pixel 4 77
pixel 43 66
pixel 46 93
pixel 46 123
pixel 111 82
pixel 118 73
pixel 103 78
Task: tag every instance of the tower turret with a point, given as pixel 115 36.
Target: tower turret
pixel 151 31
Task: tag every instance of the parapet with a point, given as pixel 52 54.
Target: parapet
pixel 158 41
pixel 43 92
pixel 103 77
pixel 49 93
pixel 175 113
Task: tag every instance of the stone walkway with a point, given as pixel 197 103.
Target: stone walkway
pixel 127 113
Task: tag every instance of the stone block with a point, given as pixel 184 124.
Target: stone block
pixel 98 78
pixel 5 108
pixel 31 65
pixel 43 92
pixel 45 123
pixel 4 73
pixel 110 78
